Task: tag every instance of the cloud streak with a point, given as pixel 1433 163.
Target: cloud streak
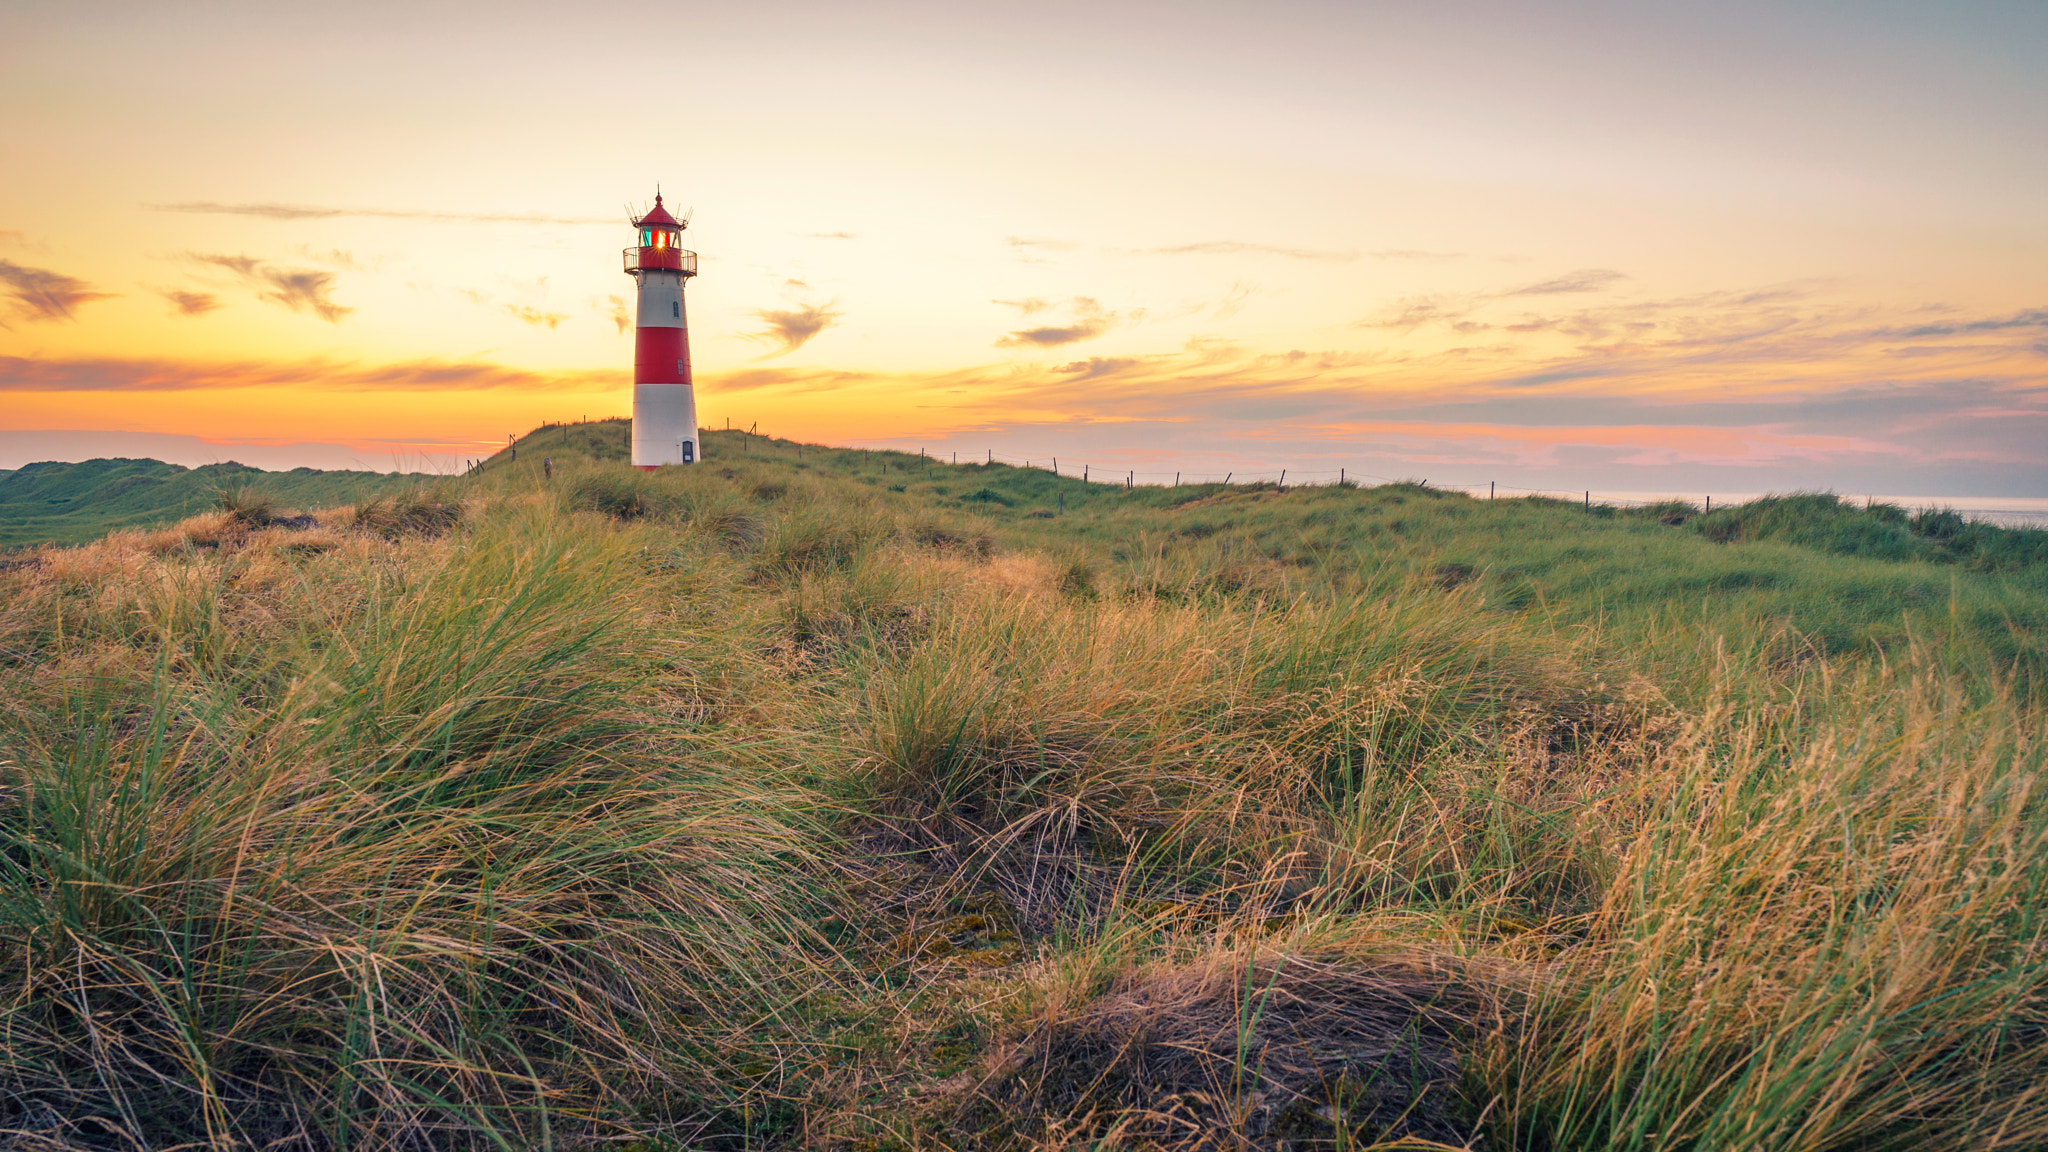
pixel 1239 247
pixel 535 317
pixel 339 258
pixel 787 379
pixel 1046 243
pixel 106 374
pixel 40 294
pixel 1090 321
pixel 792 329
pixel 293 289
pixel 1583 280
pixel 2033 318
pixel 275 211
pixel 1413 312
pixel 190 303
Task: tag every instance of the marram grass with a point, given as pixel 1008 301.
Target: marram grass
pixel 450 881
pixel 814 798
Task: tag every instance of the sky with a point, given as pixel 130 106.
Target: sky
pixel 1646 247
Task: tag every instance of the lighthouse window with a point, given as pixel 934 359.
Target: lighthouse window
pixel 675 307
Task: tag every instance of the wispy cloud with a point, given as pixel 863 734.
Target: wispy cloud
pixel 829 235
pixel 792 329
pixel 1040 242
pixel 618 314
pixel 1412 312
pixel 339 258
pixel 1583 280
pixel 1414 254
pixel 1702 319
pixel 190 303
pixel 295 289
pixel 40 294
pixel 2034 318
pixel 1099 367
pixel 1233 301
pixel 1090 321
pixel 1239 247
pixel 1030 307
pixel 274 211
pixel 13 238
pixel 538 317
pixel 786 379
pixel 535 317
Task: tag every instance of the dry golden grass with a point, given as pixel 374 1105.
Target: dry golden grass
pixel 743 808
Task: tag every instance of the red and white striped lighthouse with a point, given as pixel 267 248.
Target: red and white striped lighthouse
pixel 664 403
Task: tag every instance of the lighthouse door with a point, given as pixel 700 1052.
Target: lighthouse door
pixel 689 449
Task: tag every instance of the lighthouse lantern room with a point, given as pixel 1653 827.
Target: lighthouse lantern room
pixel 664 403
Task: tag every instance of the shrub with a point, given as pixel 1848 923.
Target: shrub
pixel 1245 1047
pixel 618 494
pixel 940 538
pixel 422 511
pixel 246 506
pixel 812 539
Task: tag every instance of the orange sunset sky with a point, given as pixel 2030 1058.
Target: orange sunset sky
pixel 1634 246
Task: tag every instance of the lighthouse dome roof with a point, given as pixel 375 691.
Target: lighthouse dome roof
pixel 659 215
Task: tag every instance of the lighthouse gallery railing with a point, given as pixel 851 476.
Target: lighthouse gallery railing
pixel 670 259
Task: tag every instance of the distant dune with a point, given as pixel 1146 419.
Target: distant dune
pixel 55 503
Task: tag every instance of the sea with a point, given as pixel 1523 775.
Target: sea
pixel 2004 511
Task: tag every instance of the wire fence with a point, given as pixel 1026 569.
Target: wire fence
pixel 1089 472
pixel 1291 478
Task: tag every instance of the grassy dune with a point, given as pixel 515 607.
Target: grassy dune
pixel 815 798
pixel 56 503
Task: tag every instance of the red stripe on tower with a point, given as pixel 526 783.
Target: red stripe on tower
pixel 661 356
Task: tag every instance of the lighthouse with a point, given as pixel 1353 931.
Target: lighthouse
pixel 664 403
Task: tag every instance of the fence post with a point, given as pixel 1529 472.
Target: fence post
pixel 991 455
pixel 1283 479
pixel 1226 478
pixel 1710 503
pixel 1055 465
pixel 1340 477
pixel 1084 473
pixel 1131 481
pixel 1176 479
pixel 1489 489
pixel 1589 499
pixel 1063 504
